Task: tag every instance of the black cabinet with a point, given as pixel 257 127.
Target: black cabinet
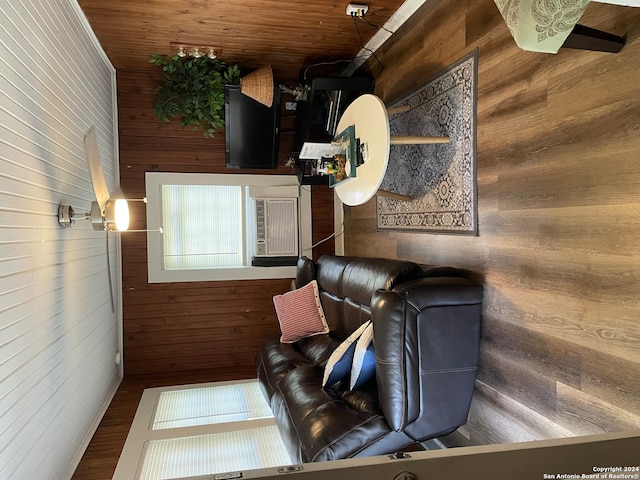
pixel 317 117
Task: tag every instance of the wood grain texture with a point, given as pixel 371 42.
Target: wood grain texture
pixel 558 194
pixel 252 33
pixel 175 332
pixel 185 326
pixel 323 222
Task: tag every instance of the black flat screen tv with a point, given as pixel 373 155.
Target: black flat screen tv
pixel 252 130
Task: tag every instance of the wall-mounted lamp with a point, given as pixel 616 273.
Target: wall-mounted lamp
pixel 195 50
pixel 114 216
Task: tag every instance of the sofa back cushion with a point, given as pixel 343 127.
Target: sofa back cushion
pixel 347 285
pixel 305 271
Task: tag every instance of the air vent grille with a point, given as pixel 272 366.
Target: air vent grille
pixel 277 227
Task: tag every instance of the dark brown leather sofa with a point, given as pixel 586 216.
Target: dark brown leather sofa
pixel 426 325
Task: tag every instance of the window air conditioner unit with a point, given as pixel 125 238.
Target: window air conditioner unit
pixel 276 227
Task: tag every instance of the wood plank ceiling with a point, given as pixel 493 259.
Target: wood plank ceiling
pixel 287 35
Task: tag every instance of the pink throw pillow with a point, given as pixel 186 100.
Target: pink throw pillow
pixel 300 313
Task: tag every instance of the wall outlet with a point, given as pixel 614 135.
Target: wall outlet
pixel 357 10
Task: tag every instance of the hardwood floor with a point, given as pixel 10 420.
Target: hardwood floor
pixel 558 190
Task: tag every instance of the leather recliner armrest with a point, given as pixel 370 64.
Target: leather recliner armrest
pixel 426 340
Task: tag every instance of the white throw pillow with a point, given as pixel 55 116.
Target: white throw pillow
pixel 364 360
pixel 339 363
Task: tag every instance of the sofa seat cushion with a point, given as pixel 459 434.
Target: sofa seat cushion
pixel 440 319
pixel 330 423
pixel 347 285
pixel 274 360
pixel 317 349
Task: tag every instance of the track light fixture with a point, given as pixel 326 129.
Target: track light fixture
pixel 195 50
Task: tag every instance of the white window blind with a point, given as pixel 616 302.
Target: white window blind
pixel 203 226
pixel 210 405
pixel 214 453
pixel 203 429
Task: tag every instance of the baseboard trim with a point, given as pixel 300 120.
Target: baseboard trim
pixel 92 430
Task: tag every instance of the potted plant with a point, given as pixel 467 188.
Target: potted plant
pixel 193 89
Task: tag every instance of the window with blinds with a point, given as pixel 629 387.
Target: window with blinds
pixel 210 405
pixel 204 226
pixel 204 429
pixel 232 451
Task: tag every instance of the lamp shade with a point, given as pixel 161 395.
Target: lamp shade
pixel 259 85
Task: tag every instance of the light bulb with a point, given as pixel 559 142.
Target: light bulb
pixel 121 214
pixel 212 54
pixel 181 52
pixel 196 53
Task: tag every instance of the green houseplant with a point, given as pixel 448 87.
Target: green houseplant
pixel 193 89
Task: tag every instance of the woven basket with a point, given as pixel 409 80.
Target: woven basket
pixel 259 85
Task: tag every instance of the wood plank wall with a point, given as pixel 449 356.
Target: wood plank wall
pixel 199 325
pixel 252 33
pixel 558 251
pixel 287 35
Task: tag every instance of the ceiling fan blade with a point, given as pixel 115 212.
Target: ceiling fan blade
pixel 95 168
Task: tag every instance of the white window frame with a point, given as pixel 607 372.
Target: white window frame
pixel 154 182
pixel 141 431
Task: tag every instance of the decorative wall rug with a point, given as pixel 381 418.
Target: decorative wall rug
pixel 441 178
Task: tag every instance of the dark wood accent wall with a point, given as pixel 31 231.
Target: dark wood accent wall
pixel 323 221
pixel 558 150
pixel 181 333
pixel 195 325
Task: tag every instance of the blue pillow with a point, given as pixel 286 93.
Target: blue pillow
pixel 364 360
pixel 339 363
